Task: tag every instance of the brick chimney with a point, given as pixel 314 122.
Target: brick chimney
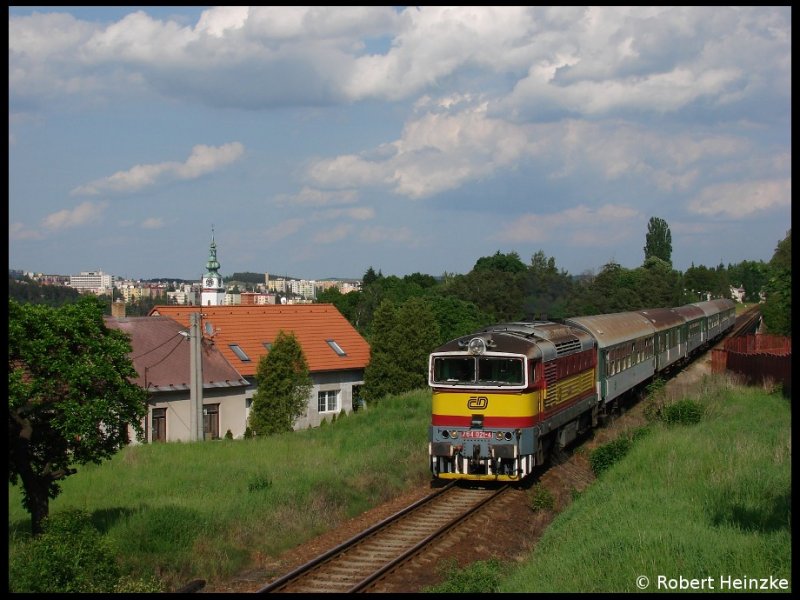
pixel 118 309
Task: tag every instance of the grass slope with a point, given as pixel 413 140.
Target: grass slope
pixel 202 510
pixel 710 502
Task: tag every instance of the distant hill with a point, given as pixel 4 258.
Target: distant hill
pixel 248 277
pixel 31 292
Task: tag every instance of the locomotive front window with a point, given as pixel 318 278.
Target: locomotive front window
pixel 500 370
pixel 474 370
pixel 454 369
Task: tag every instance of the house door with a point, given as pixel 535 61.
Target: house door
pixel 159 424
pixel 211 421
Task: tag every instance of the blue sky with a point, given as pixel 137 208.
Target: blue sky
pixel 321 141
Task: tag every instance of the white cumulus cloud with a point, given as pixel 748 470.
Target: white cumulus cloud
pixel 737 200
pixel 203 159
pixel 84 213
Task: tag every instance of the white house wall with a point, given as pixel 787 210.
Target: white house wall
pixel 231 413
pixel 234 405
pixel 341 381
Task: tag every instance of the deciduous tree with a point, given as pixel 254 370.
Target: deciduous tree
pixel 70 396
pixel 658 241
pixel 777 310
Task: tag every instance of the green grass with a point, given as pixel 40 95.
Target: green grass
pixel 711 499
pixel 699 500
pixel 203 510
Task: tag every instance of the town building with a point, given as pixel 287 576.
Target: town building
pixel 94 282
pixel 335 352
pixel 161 355
pixel 213 293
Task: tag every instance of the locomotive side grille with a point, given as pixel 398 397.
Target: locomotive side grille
pixel 550 382
pixel 568 347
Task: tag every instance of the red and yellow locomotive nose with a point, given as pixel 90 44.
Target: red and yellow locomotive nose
pixel 478 435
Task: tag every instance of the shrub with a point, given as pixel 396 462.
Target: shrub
pixel 682 412
pixel 656 397
pixel 483 576
pixel 542 499
pixel 248 433
pixel 228 435
pixel 69 555
pixel 260 482
pixel 602 457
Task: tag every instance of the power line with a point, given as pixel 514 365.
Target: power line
pixel 156 347
pixel 165 356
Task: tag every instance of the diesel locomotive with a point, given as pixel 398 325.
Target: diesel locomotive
pixel 506 395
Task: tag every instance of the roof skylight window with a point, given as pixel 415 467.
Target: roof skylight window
pixel 336 347
pixel 239 352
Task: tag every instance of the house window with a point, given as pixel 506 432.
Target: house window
pixel 211 421
pixel 239 352
pixel 159 424
pixel 267 345
pixel 336 347
pixel 328 401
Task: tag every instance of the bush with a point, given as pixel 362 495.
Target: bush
pixel 682 412
pixel 655 400
pixel 479 577
pixel 542 499
pixel 259 482
pixel 228 435
pixel 69 555
pixel 248 433
pixel 602 457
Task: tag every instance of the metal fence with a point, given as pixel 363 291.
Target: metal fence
pixel 759 359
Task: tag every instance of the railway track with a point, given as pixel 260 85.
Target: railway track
pixel 360 563
pixel 745 323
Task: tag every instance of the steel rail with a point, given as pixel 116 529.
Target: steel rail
pixel 389 527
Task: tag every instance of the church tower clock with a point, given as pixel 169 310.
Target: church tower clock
pixel 213 291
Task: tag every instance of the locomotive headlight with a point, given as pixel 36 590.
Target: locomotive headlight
pixel 443 433
pixel 477 346
pixel 508 436
pixel 454 434
pixel 499 435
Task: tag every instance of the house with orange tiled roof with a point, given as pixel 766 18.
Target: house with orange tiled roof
pixel 160 353
pixel 335 352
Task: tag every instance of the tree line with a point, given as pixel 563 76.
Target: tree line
pixel 403 319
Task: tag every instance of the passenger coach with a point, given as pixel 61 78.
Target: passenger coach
pixel 505 396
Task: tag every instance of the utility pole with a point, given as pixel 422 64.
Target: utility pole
pixel 196 378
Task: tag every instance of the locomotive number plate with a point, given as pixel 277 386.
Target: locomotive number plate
pixel 477 435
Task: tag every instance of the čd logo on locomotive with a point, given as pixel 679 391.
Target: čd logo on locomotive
pixel 477 402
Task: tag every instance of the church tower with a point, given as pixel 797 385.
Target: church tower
pixel 213 291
